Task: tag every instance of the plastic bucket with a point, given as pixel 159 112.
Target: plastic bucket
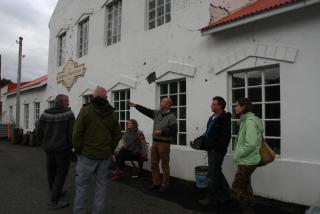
pixel 201 176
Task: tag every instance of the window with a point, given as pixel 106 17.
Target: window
pixel 87 99
pixel 26 116
pixel 263 88
pixel 159 12
pixel 177 92
pixel 120 103
pixel 61 48
pixel 113 23
pixel 51 104
pixel 0 107
pixel 11 114
pixel 83 37
pixel 36 112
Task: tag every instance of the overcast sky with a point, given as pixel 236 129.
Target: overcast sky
pixel 28 19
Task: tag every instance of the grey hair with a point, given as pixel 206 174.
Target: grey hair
pixel 169 100
pixel 59 99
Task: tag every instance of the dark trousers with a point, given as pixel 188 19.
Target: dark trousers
pixel 57 170
pixel 124 155
pixel 218 187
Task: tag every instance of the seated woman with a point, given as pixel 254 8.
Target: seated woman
pixel 132 146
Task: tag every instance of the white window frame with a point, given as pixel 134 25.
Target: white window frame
pixel 119 110
pixel 86 99
pixel 158 14
pixel 113 22
pixel 62 48
pixel 178 106
pixel 51 104
pixel 36 112
pixel 263 102
pixel 11 114
pixel 26 115
pixel 83 37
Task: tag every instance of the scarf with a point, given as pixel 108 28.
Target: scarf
pixel 131 140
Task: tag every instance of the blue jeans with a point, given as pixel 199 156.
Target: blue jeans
pixel 218 187
pixel 85 170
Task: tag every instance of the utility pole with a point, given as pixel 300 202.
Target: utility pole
pixel 18 85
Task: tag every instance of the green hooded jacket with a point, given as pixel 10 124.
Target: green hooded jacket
pixel 96 132
pixel 248 141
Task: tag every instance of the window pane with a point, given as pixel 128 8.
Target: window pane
pixel 273 128
pixel 273 111
pixel 272 93
pixel 174 111
pixel 116 105
pixel 122 105
pixel 235 127
pixel 128 94
pixel 152 4
pixel 122 95
pixel 152 15
pixel 183 100
pixel 182 139
pixel 174 99
pixel 152 24
pixel 233 143
pixel 257 110
pixel 173 87
pixel 274 145
pixel 255 94
pixel 238 80
pixel 272 76
pixel 182 113
pixel 168 18
pixel 254 78
pixel 182 126
pixel 116 96
pixel 160 2
pixel 163 89
pixel 122 115
pixel 182 86
pixel 160 20
pixel 127 115
pixel 236 94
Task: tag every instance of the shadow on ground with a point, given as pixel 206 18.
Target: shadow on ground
pixel 186 195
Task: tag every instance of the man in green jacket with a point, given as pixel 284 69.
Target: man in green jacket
pixel 95 136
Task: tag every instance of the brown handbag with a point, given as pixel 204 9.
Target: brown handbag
pixel 266 153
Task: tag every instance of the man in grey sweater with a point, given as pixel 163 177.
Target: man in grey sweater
pixel 164 134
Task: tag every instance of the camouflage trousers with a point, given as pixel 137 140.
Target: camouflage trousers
pixel 242 189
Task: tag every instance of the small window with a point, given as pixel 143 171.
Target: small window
pixel 26 116
pixel 120 103
pixel 51 104
pixel 262 86
pixel 159 12
pixel 83 37
pixel 113 23
pixel 177 92
pixel 61 49
pixel 11 114
pixel 36 112
pixel 87 99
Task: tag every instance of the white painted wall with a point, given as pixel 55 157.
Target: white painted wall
pixel 30 97
pixel 294 175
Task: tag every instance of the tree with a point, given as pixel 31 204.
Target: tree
pixel 4 82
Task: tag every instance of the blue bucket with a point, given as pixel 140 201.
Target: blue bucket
pixel 201 176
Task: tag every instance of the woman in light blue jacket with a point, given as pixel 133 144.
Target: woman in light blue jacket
pixel 247 156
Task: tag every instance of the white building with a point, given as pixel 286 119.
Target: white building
pixel 33 101
pixel 267 50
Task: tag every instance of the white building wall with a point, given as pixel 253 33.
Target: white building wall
pixel 27 97
pixel 294 175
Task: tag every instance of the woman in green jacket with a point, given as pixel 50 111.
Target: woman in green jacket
pixel 247 156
